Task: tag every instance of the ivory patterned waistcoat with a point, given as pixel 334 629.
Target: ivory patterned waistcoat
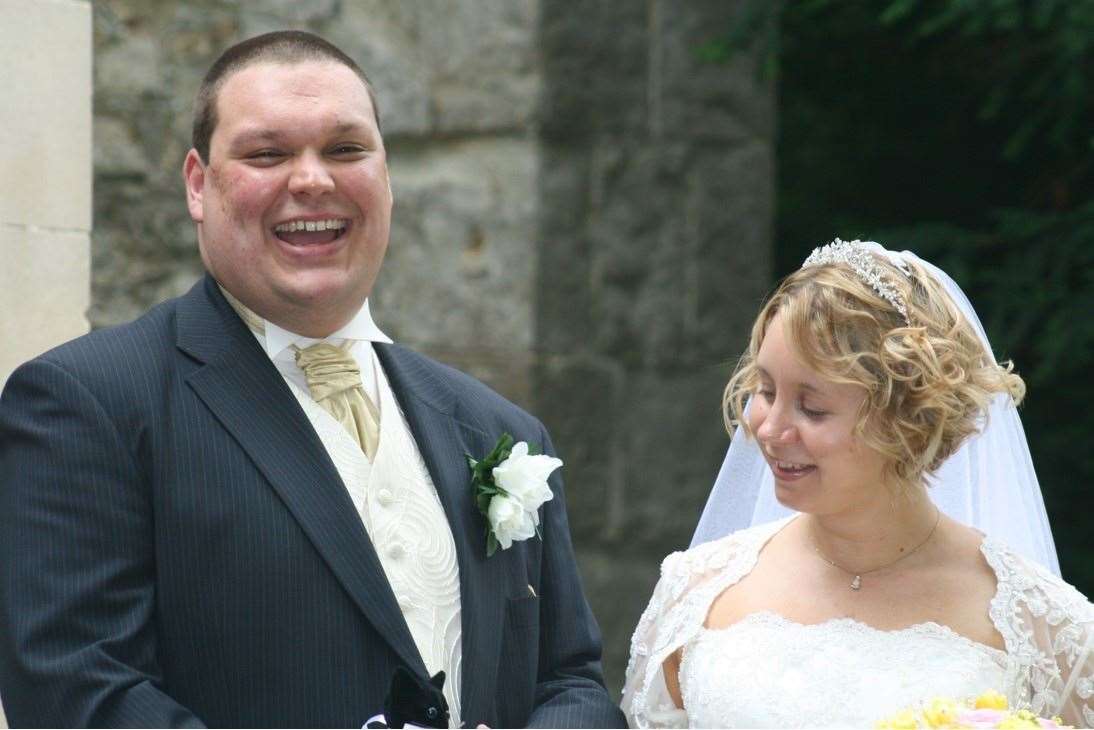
pixel 398 504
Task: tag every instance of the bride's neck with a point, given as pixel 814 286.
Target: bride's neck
pixel 867 536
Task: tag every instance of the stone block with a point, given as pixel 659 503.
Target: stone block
pixel 281 14
pixel 45 120
pixel 379 37
pixel 483 63
pixel 474 72
pixel 144 247
pixel 134 64
pixel 44 291
pixel 725 101
pixel 729 199
pixel 663 443
pixel 641 450
pixel 618 584
pixel 578 398
pixel 563 277
pixel 507 371
pixel 462 255
pixel 667 284
pixel 117 154
pixel 596 59
pixel 675 444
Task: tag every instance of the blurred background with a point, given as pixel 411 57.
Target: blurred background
pixel 592 198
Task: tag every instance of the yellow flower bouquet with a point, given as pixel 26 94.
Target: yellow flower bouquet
pixel 989 710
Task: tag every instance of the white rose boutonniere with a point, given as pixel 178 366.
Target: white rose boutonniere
pixel 509 486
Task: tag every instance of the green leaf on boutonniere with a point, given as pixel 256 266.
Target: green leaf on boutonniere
pixel 483 488
pixel 501 450
pixel 482 501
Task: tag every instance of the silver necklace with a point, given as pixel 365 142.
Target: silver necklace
pixel 856 582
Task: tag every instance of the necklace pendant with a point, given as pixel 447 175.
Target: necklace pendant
pixel 856 583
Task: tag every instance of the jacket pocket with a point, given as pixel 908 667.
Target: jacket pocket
pixel 519 661
pixel 521 612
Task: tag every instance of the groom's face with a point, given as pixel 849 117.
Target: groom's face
pixel 805 426
pixel 293 206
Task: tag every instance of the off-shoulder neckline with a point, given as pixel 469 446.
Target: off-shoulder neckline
pixel 768 531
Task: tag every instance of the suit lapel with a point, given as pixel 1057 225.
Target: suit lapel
pixel 444 441
pixel 249 397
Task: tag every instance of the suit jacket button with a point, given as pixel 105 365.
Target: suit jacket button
pixel 431 713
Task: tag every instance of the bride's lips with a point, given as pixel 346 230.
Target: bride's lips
pixel 788 471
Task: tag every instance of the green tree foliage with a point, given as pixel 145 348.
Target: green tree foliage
pixel 963 130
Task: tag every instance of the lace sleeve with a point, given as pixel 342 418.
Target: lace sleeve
pixel 1077 698
pixel 690 581
pixel 1048 627
pixel 1061 621
pixel 646 700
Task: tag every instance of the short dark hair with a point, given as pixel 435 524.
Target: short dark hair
pixel 281 46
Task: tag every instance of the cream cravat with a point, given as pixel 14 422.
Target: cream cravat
pixel 334 380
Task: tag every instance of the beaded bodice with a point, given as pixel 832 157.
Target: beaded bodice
pixel 1047 627
pixel 766 671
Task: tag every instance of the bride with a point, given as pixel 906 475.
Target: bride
pixel 879 420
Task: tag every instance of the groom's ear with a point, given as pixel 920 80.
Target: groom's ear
pixel 193 175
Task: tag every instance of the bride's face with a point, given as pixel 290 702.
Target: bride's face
pixel 805 428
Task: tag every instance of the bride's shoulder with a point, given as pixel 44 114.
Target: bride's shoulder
pixel 1024 581
pixel 717 555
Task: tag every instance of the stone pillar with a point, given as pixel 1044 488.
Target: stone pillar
pixel 45 175
pixel 655 239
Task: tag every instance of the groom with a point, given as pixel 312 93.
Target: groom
pixel 248 507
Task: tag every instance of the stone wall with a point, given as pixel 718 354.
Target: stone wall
pixel 45 178
pixel 45 175
pixel 582 219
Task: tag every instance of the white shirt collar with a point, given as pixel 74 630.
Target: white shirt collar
pixel 361 328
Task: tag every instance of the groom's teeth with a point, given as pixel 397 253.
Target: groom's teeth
pixel 330 224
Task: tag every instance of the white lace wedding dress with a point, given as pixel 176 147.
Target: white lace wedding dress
pixel 767 671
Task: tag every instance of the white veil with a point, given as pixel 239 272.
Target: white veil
pixel 989 483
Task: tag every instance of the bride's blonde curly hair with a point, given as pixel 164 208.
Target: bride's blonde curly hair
pixel 928 383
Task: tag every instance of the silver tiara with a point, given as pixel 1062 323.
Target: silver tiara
pixel 857 255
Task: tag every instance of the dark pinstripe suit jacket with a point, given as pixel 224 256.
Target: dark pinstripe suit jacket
pixel 176 547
